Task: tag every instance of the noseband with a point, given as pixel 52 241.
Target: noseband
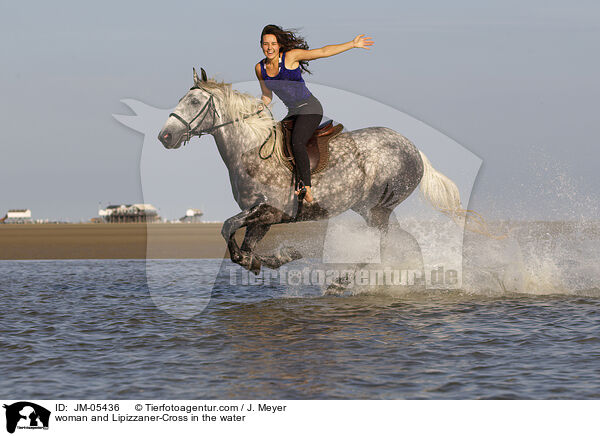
pixel 189 131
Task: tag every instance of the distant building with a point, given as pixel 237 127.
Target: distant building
pixel 192 216
pixel 17 216
pixel 129 213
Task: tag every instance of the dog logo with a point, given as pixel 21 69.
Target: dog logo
pixel 26 415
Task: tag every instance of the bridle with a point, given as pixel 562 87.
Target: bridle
pixel 189 131
pixel 210 104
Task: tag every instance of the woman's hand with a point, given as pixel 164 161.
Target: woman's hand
pixel 266 100
pixel 362 42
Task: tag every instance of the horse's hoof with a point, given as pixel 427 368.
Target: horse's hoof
pixel 335 289
pixel 250 262
pixel 254 265
pixel 292 253
pixel 339 287
pixel 270 261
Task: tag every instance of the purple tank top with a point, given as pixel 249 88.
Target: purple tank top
pixel 288 85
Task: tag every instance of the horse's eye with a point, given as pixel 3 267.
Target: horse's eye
pixel 194 101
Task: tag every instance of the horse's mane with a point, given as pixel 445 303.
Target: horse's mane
pixel 238 104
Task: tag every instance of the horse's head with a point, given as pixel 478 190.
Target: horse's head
pixel 196 113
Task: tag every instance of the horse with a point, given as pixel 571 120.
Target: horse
pixel 370 170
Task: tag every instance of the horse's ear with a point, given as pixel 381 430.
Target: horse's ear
pixel 204 77
pixel 196 78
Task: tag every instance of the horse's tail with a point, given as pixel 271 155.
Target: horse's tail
pixel 442 193
pixel 439 190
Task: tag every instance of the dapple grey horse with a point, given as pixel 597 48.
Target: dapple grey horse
pixel 370 170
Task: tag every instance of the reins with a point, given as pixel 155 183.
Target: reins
pixel 191 131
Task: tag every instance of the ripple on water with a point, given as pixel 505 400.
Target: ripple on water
pixel 99 334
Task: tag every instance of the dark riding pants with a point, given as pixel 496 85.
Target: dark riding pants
pixel 308 117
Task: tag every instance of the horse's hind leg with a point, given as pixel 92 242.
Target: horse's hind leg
pixel 395 243
pixel 377 217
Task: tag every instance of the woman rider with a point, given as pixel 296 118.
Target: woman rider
pixel 286 54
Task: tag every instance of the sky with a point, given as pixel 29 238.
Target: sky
pixel 514 83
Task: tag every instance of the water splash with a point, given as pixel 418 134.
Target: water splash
pixel 538 258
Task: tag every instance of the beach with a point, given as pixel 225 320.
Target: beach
pixel 130 241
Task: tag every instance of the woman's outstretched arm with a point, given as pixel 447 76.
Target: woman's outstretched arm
pixel 297 54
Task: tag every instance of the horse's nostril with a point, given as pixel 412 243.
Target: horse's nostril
pixel 165 138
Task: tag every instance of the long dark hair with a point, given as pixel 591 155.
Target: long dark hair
pixel 287 40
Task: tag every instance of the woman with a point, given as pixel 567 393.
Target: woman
pixel 286 55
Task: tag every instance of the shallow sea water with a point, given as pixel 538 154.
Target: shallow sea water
pixel 179 329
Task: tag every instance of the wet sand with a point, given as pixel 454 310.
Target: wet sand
pixel 136 241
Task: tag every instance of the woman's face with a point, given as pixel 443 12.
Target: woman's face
pixel 270 47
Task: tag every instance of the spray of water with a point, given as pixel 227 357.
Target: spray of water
pixel 538 257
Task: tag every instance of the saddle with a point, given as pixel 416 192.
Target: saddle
pixel 317 146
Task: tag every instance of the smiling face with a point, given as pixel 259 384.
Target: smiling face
pixel 270 46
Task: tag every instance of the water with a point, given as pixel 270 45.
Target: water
pixel 525 324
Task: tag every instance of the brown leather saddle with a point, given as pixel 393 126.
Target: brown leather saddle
pixel 317 146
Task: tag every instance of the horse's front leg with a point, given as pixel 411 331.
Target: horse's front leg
pixel 254 233
pixel 258 220
pixel 228 230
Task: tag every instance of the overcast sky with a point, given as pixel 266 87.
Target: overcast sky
pixel 515 83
